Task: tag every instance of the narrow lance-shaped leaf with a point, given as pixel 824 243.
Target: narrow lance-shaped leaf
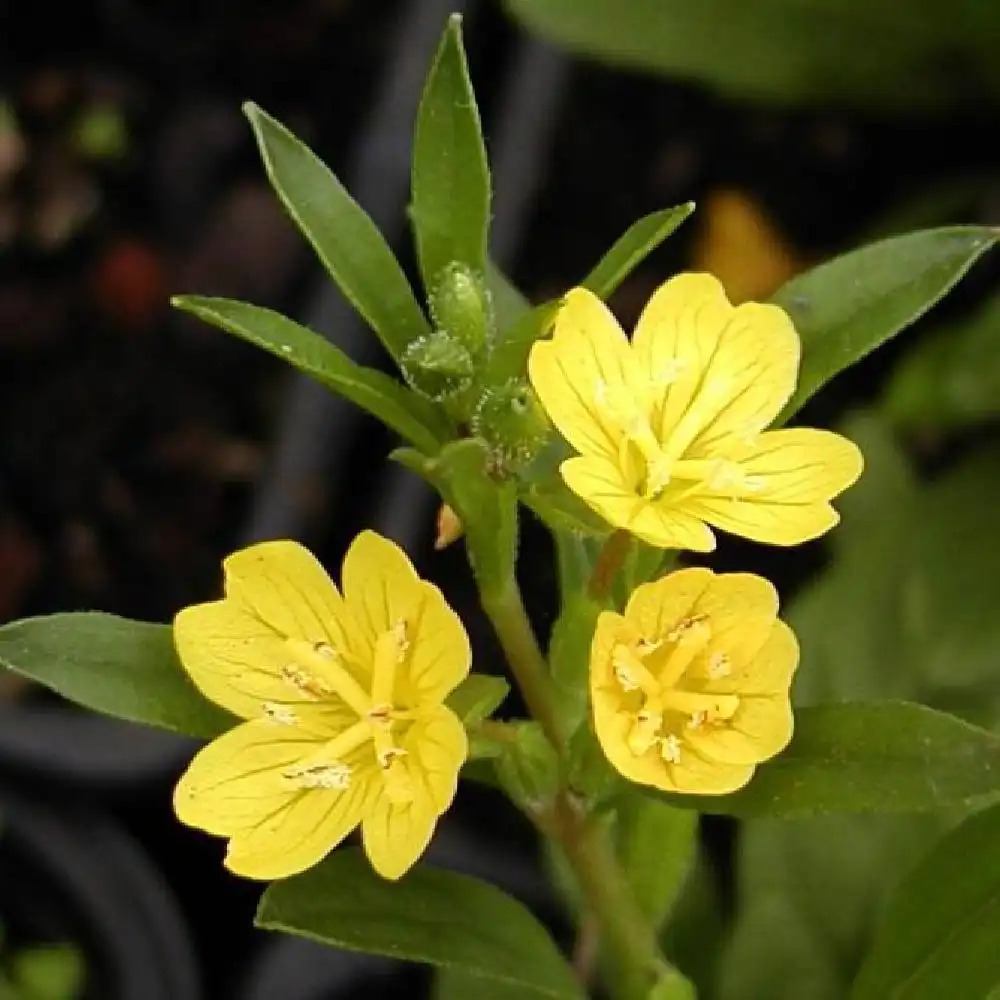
pixel 867 758
pixel 345 239
pixel 938 936
pixel 849 306
pixel 113 665
pixel 439 917
pixel 411 416
pixel 633 247
pixel 451 180
pixel 478 697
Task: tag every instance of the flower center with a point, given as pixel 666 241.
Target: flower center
pixel 663 459
pixel 318 673
pixel 665 711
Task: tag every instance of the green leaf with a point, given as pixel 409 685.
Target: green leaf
pixel 633 247
pixel 569 657
pixel 656 845
pixel 113 665
pixel 528 768
pixel 430 915
pixel 561 509
pixel 938 937
pixel 399 408
pixel 451 179
pixel 867 757
pixel 487 507
pixel 449 984
pixel 345 239
pixel 847 307
pixel 478 697
pixel 509 304
pixel 509 359
pixel 787 51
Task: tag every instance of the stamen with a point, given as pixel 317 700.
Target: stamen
pixel 697 720
pixel 644 731
pixel 631 672
pixel 336 775
pixel 670 749
pixel 388 755
pixel 686 626
pixel 390 650
pixel 304 682
pixel 280 714
pixel 326 651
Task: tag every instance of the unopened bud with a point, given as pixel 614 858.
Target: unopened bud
pixel 460 305
pixel 437 365
pixel 449 527
pixel 511 421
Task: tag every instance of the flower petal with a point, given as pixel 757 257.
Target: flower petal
pixel 396 834
pixel 761 727
pixel 588 350
pixel 656 608
pixel 728 370
pixel 612 728
pixel 697 775
pixel 797 471
pixel 439 655
pixel 381 587
pixel 599 482
pixel 236 780
pixel 306 829
pixel 284 585
pixel 236 660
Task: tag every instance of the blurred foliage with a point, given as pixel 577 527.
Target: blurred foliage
pixel 876 53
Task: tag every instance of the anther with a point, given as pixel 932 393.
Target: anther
pixel 280 714
pixel 670 749
pixel 719 666
pixel 336 775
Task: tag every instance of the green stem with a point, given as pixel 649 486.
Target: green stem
pixel 505 610
pixel 608 563
pixel 628 935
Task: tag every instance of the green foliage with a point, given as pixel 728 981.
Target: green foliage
pixel 345 239
pixel 478 697
pixel 460 303
pixel 437 366
pixel 528 767
pixel 123 668
pixel 867 757
pixel 450 176
pixel 633 247
pixel 951 379
pixel 412 417
pixel 431 915
pixel 938 936
pixel 43 972
pixel 850 305
pixel 786 51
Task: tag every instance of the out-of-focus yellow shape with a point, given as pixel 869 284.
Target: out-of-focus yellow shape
pixel 343 701
pixel 689 687
pixel 739 244
pixel 449 527
pixel 670 426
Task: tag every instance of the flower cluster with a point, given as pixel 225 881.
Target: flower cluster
pixel 342 694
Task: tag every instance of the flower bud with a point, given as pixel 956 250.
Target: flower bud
pixel 438 365
pixel 510 419
pixel 460 305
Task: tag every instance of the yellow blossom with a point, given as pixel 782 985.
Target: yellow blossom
pixel 670 428
pixel 343 702
pixel 689 687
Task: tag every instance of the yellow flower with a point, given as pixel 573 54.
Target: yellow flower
pixel 343 697
pixel 690 687
pixel 670 427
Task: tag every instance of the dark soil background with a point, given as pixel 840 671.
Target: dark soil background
pixel 133 442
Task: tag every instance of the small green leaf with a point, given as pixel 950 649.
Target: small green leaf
pixel 656 844
pixel 487 507
pixel 430 915
pixel 509 303
pixel 478 697
pixel 569 656
pixel 528 767
pixel 938 936
pixel 450 984
pixel 409 415
pixel 509 358
pixel 451 179
pixel 113 665
pixel 867 757
pixel 561 509
pixel 345 239
pixel 633 247
pixel 847 307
